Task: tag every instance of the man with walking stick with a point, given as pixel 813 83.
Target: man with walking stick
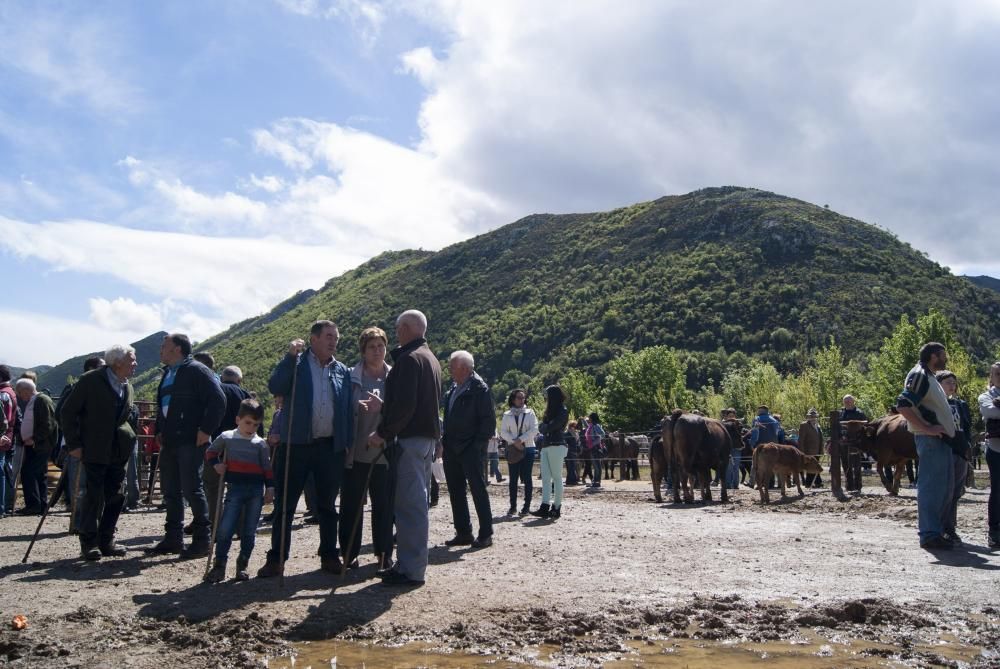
pixel 314 438
pixel 95 423
pixel 410 419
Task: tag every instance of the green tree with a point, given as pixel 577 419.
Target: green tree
pixel 582 395
pixel 833 377
pixel 749 388
pixel 642 386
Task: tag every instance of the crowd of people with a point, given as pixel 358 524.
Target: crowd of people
pixel 373 432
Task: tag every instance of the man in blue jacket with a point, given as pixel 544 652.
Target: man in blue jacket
pixel 315 435
pixel 190 404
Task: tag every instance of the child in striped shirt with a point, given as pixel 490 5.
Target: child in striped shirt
pixel 244 458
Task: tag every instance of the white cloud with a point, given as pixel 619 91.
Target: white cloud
pixel 31 338
pixel 72 58
pixel 268 183
pixel 123 313
pixel 366 17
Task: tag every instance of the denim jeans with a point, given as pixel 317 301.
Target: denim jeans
pixel 466 467
pixel 102 504
pixel 132 478
pixel 572 465
pixel 7 472
pixel 520 472
pixel 241 498
pixel 934 487
pixel 412 464
pixel 326 466
pixel 594 455
pixel 180 479
pixel 552 458
pixel 495 466
pixel 733 471
pixel 960 467
pixel 993 506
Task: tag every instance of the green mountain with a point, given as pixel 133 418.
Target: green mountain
pixel 16 372
pixel 147 355
pixel 984 281
pixel 721 274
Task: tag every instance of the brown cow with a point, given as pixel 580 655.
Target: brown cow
pixel 781 459
pixel 693 445
pixel 887 439
pixel 622 451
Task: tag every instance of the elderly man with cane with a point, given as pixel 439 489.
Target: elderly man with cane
pixel 314 439
pixel 95 422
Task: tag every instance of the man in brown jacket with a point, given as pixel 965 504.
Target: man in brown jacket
pixel 410 419
pixel 811 443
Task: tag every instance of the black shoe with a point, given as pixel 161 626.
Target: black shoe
pixel 271 569
pixel 952 538
pixel 512 511
pixel 400 579
pixel 542 511
pixel 90 552
pixel 197 549
pixel 332 565
pixel 167 547
pixel 387 569
pixel 189 528
pixel 483 542
pixel 241 569
pixel 461 540
pixel 29 511
pixel 993 541
pixel 555 512
pixel 525 510
pixel 217 573
pixel 112 549
pixel 310 520
pixel 936 543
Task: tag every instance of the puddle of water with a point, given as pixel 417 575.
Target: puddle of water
pixel 807 651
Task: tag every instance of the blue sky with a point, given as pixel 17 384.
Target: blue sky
pixel 186 165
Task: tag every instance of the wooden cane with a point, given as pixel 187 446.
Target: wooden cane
pixel 45 514
pixel 284 484
pixel 361 510
pixel 218 512
pixel 76 494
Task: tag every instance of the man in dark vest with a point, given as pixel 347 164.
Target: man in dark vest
pixel 811 443
pixel 38 437
pixel 95 424
pixel 851 457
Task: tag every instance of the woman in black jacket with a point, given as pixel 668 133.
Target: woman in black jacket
pixel 553 451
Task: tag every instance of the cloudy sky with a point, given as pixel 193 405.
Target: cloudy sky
pixel 186 165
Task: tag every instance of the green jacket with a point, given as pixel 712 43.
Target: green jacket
pixel 45 430
pixel 91 420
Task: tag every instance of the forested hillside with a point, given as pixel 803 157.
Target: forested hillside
pixel 721 275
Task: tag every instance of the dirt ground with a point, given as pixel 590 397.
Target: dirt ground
pixel 618 580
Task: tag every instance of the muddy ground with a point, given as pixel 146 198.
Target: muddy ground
pixel 615 575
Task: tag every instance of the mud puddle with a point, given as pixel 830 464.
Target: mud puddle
pixel 707 632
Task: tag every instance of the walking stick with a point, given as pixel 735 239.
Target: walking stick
pixel 41 520
pixel 218 512
pixel 361 510
pixel 284 484
pixel 152 480
pixel 76 495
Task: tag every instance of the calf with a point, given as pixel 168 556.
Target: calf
pixel 887 439
pixel 783 460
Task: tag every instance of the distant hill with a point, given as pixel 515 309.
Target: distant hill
pixel 984 281
pixel 18 371
pixel 721 274
pixel 147 354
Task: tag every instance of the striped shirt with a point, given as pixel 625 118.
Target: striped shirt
pixel 248 460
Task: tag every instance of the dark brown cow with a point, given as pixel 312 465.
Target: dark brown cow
pixel 693 445
pixel 887 439
pixel 783 460
pixel 657 466
pixel 622 451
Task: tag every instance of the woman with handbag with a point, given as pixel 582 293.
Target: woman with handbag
pixel 553 453
pixel 518 428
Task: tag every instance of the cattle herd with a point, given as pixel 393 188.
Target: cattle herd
pixel 690 446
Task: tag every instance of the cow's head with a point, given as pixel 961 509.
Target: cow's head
pixel 854 431
pixel 811 465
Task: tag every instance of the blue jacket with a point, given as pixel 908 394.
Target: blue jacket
pixel 301 414
pixel 766 430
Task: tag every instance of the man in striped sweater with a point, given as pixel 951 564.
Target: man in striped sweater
pixel 244 460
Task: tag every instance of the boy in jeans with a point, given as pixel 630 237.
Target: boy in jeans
pixel 250 485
